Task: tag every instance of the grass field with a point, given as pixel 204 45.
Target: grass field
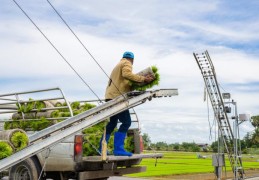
pixel 179 163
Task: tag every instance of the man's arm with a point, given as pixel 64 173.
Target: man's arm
pixel 127 73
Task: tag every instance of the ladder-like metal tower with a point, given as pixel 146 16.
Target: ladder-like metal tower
pixel 57 133
pixel 209 75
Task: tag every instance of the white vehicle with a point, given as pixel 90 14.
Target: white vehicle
pixel 65 161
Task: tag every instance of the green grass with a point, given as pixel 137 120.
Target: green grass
pixel 179 163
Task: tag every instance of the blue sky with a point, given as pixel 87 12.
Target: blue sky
pixel 159 32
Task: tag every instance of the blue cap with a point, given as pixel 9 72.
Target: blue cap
pixel 128 55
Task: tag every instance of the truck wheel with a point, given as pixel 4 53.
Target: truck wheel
pixel 28 169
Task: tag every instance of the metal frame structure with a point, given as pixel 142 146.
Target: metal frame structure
pixel 209 75
pixel 56 133
pixel 237 144
pixel 12 100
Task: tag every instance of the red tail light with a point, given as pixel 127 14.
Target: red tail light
pixel 141 143
pixel 78 148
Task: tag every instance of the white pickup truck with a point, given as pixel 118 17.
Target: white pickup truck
pixel 65 160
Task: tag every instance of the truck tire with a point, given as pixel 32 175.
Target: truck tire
pixel 28 169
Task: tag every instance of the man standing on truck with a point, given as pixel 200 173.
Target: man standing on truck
pixel 119 84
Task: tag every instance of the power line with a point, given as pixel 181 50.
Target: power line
pixel 56 50
pixel 76 36
pixel 63 20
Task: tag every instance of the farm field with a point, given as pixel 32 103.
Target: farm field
pixel 188 164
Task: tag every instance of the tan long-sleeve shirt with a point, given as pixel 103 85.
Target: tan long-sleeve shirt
pixel 120 77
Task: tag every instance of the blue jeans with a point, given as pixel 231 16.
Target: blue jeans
pixel 124 118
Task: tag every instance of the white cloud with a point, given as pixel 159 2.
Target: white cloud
pixel 160 33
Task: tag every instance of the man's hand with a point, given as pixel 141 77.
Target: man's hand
pixel 148 78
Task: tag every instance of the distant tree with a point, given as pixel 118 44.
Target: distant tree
pixel 195 148
pixel 162 146
pixel 191 147
pixel 255 137
pixel 177 147
pixel 244 147
pixel 214 146
pixel 170 147
pixel 152 146
pixel 255 134
pixel 146 141
pixel 185 146
pixel 247 141
pixel 255 121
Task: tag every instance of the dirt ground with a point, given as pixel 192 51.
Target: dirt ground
pixel 207 176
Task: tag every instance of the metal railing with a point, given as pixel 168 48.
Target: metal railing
pixel 12 103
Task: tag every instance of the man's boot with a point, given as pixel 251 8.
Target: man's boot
pixel 119 145
pixel 107 137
